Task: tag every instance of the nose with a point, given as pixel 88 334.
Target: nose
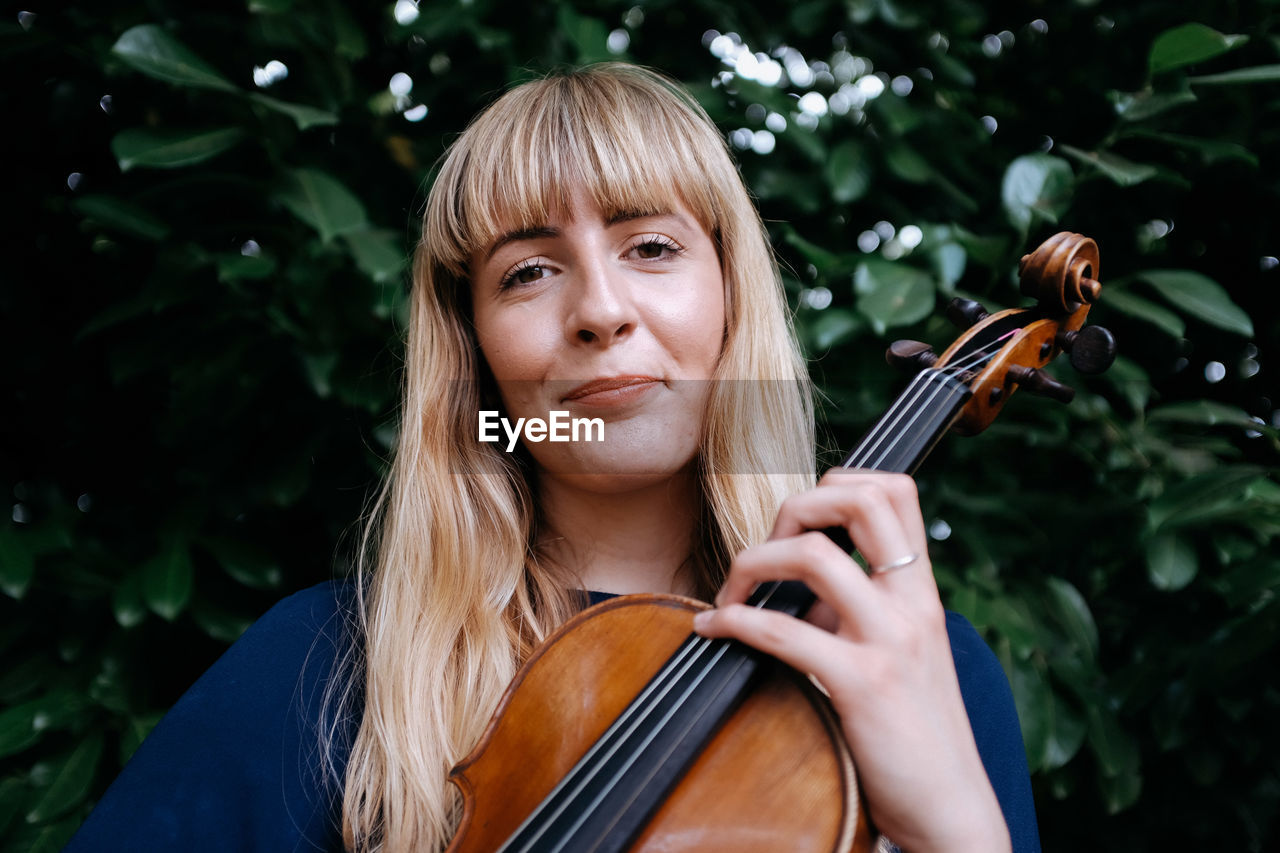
pixel 602 310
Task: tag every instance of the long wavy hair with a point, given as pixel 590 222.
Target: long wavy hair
pixel 453 591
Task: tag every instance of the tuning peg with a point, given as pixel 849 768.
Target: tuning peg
pixel 1092 348
pixel 965 312
pixel 1039 382
pixel 911 356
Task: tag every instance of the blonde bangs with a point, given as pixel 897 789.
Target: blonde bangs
pixel 626 143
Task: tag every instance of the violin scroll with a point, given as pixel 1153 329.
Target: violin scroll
pixel 1002 352
pixel 1061 274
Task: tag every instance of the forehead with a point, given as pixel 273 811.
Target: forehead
pixel 609 199
pixel 582 209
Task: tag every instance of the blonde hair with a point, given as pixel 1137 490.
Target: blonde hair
pixel 458 594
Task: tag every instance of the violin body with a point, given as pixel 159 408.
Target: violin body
pixel 781 751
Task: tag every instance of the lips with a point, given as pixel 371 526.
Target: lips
pixel 613 389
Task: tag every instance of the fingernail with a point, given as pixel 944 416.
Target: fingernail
pixel 701 620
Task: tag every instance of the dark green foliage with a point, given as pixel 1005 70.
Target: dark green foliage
pixel 204 291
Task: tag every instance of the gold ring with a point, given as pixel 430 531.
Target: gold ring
pixel 899 563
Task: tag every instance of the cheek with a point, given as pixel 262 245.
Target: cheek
pixel 700 324
pixel 513 343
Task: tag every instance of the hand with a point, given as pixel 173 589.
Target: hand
pixel 878 644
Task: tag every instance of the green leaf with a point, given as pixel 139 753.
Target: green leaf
pixel 1120 792
pixel 321 201
pixel 1200 296
pixel 60 708
pixel 25 677
pixel 1205 412
pixel 808 192
pixel 1074 615
pixel 1036 187
pixel 320 367
pixel 167 580
pixel 907 163
pixel 1189 44
pixel 1034 700
pixel 303 116
pixel 1169 716
pixel 116 214
pixel 151 50
pixel 948 261
pixel 349 39
pixel 221 625
pixel 126 602
pixel 171 149
pixel 827 262
pixel 238 267
pixel 1124 172
pixel 17 727
pixel 893 294
pixel 588 35
pixel 1131 380
pixel 1012 619
pixel 17 563
pixel 1066 734
pixel 42 838
pixel 832 326
pixel 1203 495
pixel 248 565
pixel 848 171
pixel 11 794
pixel 950 68
pixel 1116 752
pixel 1145 104
pixel 1210 151
pixel 71 781
pixel 135 732
pixel 1255 74
pixel 378 252
pixel 1162 318
pixel 1171 562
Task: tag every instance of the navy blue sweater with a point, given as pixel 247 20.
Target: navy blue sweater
pixel 234 766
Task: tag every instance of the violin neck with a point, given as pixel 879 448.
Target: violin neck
pixel 899 441
pixel 903 436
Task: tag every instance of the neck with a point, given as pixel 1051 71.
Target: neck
pixel 622 541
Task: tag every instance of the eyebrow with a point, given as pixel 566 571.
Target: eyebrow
pixel 521 234
pixel 540 231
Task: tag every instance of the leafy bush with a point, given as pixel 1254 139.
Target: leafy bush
pixel 205 296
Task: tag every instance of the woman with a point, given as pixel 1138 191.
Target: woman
pixel 589 247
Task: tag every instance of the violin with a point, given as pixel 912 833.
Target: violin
pixel 627 731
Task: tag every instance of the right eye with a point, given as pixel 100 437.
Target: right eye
pixel 526 272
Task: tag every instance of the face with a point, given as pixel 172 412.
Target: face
pixel 618 318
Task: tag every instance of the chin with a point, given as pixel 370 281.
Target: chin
pixel 621 467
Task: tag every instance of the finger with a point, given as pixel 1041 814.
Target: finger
pixel 901 491
pixel 817 561
pixel 798 644
pixel 823 615
pixel 862 506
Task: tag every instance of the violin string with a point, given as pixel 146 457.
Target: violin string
pixel 639 711
pixel 654 730
pixel 591 762
pixel 907 402
pixel 675 742
pixel 888 429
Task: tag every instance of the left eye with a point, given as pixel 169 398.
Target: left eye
pixel 651 250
